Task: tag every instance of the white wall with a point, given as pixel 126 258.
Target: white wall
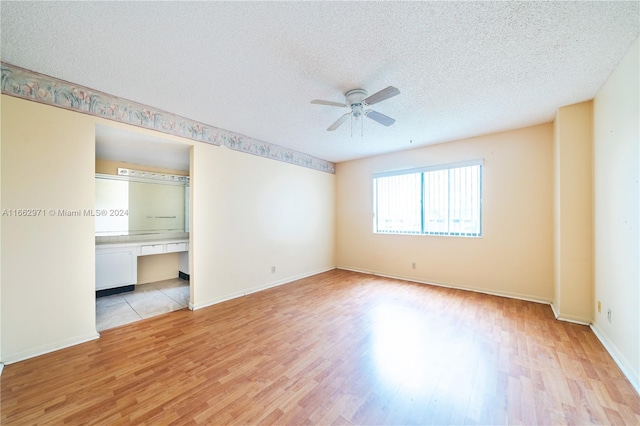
pixel 249 214
pixel 616 170
pixel 515 254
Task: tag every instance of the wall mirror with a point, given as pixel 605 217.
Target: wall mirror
pixel 136 202
pixel 128 205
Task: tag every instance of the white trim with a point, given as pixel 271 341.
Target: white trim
pixel 555 311
pixel 1 368
pixel 617 357
pixel 256 289
pixel 212 302
pixel 574 320
pixel 518 296
pixel 21 356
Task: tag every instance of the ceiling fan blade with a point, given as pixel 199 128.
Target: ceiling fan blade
pixel 381 95
pixel 338 122
pixel 380 118
pixel 321 102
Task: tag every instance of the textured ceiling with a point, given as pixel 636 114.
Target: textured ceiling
pixel 116 144
pixel 463 68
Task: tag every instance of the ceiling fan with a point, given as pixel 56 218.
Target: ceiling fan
pixel 358 101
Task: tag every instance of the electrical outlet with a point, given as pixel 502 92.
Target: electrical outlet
pixel 273 269
pixel 609 315
pixel 413 265
pixel 599 307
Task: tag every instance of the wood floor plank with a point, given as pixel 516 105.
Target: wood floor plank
pixel 338 348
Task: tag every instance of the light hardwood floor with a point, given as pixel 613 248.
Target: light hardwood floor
pixel 336 348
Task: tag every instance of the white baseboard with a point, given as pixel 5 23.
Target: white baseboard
pixel 574 320
pixel 518 296
pixel 555 311
pixel 256 289
pixel 215 301
pixel 21 356
pixel 617 357
pixel 1 368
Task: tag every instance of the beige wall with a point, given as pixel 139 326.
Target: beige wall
pixel 513 257
pixel 249 214
pixel 157 267
pixel 616 171
pixel 573 281
pixel 48 278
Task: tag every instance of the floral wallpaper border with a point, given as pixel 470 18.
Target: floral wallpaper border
pixel 33 86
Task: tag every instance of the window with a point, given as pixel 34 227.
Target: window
pixel 438 200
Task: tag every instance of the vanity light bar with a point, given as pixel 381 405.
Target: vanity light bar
pixel 152 175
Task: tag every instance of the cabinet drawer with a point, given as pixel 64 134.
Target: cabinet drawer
pixel 151 249
pixel 174 247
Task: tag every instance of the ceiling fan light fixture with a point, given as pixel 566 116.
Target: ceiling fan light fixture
pixel 357 111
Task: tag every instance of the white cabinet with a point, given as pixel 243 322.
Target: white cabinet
pixel 116 267
pixel 117 264
pixel 183 262
pixel 163 247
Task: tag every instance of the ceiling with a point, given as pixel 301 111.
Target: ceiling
pixel 463 68
pixel 117 144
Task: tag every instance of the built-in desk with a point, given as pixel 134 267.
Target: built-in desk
pixel 117 263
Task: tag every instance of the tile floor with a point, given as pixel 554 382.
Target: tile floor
pixel 147 300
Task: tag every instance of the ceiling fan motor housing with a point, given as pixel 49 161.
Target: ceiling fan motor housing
pixel 355 96
pixel 354 99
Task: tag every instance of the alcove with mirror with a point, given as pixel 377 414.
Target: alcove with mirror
pixel 142 198
pixel 139 205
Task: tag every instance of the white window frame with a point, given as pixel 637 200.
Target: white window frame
pixel 421 170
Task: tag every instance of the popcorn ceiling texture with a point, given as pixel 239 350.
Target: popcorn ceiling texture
pixel 463 68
